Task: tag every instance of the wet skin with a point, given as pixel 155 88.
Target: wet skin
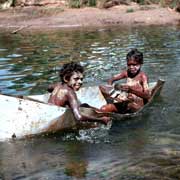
pixel 64 95
pixel 133 67
pixel 75 81
pixel 136 86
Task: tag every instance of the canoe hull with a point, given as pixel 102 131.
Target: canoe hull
pixel 22 117
pixel 155 88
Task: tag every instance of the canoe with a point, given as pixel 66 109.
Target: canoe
pixel 32 115
pixel 155 89
pixel 27 116
pixel 94 97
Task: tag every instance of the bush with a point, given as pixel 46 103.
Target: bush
pixel 92 3
pixel 74 4
pixel 130 10
pixel 81 3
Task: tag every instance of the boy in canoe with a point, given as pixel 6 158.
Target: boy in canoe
pixel 63 94
pixel 132 95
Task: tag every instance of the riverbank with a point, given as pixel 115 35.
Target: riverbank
pixel 54 18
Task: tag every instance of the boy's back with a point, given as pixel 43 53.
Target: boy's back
pixel 60 95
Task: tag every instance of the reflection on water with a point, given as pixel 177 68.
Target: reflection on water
pixel 28 63
pixel 143 147
pixel 76 169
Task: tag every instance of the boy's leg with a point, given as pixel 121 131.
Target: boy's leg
pixel 105 90
pixel 109 108
pixel 133 107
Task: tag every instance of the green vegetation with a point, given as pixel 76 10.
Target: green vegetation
pixel 163 3
pixel 110 3
pixel 130 10
pixel 92 3
pixel 97 3
pixel 74 3
pixel 82 3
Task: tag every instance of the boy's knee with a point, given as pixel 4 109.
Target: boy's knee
pixel 134 107
pixel 102 88
pixel 103 108
pixel 108 108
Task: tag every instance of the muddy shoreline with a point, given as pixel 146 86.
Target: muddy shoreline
pixel 28 19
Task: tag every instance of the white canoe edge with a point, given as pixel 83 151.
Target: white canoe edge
pixel 92 96
pixel 21 117
pixel 89 95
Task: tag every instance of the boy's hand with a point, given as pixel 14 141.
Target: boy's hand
pixel 125 88
pixel 109 82
pixel 105 119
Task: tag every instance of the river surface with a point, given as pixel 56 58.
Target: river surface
pixel 146 147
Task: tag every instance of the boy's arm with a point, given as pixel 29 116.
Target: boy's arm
pixel 72 98
pixel 117 77
pixel 145 94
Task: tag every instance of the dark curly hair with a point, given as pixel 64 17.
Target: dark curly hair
pixel 68 69
pixel 136 55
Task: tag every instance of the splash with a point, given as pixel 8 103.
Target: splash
pixel 95 135
pixel 92 135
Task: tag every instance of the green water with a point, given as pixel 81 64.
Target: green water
pixel 143 147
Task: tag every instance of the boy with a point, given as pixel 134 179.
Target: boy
pixel 135 91
pixel 63 94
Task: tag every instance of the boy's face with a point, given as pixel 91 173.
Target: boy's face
pixel 75 81
pixel 133 66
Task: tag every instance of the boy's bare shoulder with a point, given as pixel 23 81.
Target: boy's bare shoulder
pixel 124 73
pixel 51 87
pixel 143 76
pixel 69 90
pixel 142 73
pixel 63 91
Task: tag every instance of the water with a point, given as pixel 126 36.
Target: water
pixel 143 147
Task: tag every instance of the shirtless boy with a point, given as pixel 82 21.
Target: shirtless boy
pixel 136 87
pixel 63 94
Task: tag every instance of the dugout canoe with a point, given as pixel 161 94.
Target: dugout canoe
pixel 155 89
pixel 94 97
pixel 31 115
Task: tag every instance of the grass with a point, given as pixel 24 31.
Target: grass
pixel 130 10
